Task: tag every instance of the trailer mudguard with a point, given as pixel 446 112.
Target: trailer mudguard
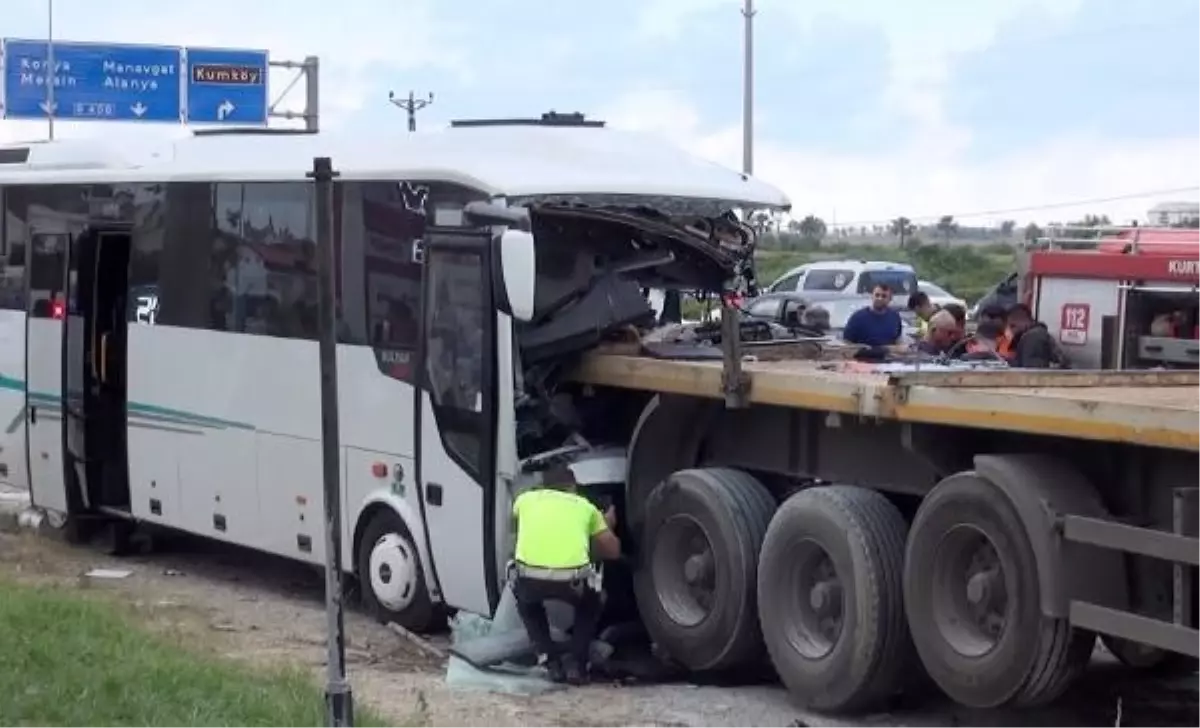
pixel 1043 488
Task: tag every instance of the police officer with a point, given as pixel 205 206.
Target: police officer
pixel 558 534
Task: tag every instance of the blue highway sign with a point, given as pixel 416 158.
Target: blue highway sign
pixel 227 86
pixel 92 81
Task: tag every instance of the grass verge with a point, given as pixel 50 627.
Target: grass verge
pixel 67 659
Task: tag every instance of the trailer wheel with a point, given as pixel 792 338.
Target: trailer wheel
pixel 973 602
pixel 829 596
pixel 390 576
pixel 695 583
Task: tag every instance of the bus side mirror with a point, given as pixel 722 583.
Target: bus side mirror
pixel 518 273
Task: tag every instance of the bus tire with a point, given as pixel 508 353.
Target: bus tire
pixel 391 578
pixel 973 601
pixel 698 556
pixel 830 598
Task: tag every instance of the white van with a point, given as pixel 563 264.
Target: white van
pixel 852 277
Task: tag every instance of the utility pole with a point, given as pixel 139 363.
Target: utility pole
pixel 51 71
pixel 411 106
pixel 339 699
pixel 748 91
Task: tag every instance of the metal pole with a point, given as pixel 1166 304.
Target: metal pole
pixel 748 91
pixel 52 72
pixel 411 106
pixel 312 93
pixel 339 700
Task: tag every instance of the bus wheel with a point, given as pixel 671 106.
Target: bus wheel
pixel 973 601
pixel 830 597
pixel 695 583
pixel 389 572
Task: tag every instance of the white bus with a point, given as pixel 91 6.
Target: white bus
pixel 159 357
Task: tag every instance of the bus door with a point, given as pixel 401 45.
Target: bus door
pixel 44 369
pixel 456 417
pixel 94 369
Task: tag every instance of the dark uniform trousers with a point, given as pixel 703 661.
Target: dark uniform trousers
pixel 533 593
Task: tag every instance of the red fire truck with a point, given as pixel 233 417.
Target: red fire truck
pixel 1124 300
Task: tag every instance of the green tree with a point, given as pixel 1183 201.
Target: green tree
pixel 760 221
pixel 1083 228
pixel 1007 227
pixel 1032 232
pixel 904 229
pixel 947 227
pixel 813 228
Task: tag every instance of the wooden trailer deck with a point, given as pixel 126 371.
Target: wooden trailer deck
pixel 1157 408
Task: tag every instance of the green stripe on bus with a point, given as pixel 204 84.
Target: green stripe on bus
pixel 150 412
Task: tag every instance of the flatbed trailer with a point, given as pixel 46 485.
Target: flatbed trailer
pixel 1001 519
pixel 1158 409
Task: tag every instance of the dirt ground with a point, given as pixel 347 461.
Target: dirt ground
pixel 266 610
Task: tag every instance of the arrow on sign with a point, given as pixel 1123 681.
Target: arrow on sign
pixel 224 110
pixel 138 109
pixel 48 107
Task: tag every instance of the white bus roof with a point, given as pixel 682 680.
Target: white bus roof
pixel 511 161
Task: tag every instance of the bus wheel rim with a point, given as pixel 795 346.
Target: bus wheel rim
pixel 393 572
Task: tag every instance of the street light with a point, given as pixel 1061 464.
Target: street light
pixel 748 91
pixel 411 105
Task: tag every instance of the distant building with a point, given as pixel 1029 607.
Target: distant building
pixel 1173 213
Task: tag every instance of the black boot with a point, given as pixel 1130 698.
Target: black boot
pixel 573 671
pixel 554 668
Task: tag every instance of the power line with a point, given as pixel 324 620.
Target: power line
pixel 1030 208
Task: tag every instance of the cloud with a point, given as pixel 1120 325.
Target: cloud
pixel 929 157
pixel 926 177
pixel 1100 70
pixel 870 108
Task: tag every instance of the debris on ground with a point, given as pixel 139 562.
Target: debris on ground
pixel 108 573
pixel 505 677
pixel 417 641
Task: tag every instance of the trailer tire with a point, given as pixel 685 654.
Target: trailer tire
pixel 390 576
pixel 972 595
pixel 719 516
pixel 830 598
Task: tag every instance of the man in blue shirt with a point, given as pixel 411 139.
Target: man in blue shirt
pixel 877 324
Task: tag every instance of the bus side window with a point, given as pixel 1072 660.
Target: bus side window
pixel 382 226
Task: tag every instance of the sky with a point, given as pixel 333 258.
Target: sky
pixel 864 109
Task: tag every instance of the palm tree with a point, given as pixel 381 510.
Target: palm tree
pixel 947 227
pixel 813 228
pixel 761 222
pixel 903 228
